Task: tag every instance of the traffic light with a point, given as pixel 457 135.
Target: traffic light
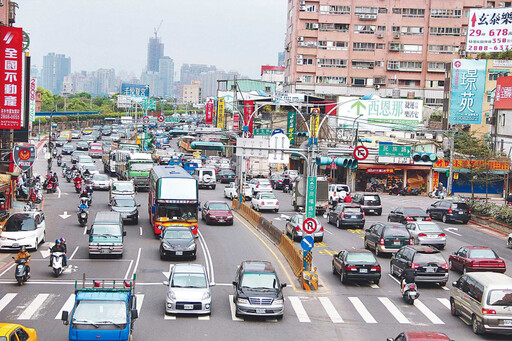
pixel 302 134
pixel 425 157
pixel 346 162
pixel 324 160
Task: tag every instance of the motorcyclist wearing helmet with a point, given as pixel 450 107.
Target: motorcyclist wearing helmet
pixel 408 277
pixel 23 254
pixel 84 194
pixel 58 247
pixel 86 173
pixel 83 203
pixel 65 247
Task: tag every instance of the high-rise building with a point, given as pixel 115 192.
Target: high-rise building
pixel 280 58
pixel 190 93
pixel 209 81
pixel 106 81
pixel 8 12
pixel 165 77
pixel 394 48
pixel 55 68
pixel 155 52
pixel 190 72
pixel 274 74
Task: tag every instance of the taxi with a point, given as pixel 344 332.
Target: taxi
pixel 17 332
pixel 87 131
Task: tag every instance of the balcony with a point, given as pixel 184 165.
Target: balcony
pixel 12 12
pixel 367 17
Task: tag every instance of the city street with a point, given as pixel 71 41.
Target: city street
pixel 336 311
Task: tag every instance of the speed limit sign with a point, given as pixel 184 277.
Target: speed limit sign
pixel 161 118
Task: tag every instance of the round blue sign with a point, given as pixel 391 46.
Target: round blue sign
pixel 307 243
pixel 277 131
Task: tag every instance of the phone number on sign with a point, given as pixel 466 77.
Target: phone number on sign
pixel 487 48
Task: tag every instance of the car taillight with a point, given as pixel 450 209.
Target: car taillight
pixel 375 268
pixel 351 268
pixel 277 202
pixel 381 241
pixel 321 229
pixel 488 311
pixel 279 180
pixel 409 218
pixel 223 176
pixel 343 214
pixel 363 213
pixel 414 266
pixel 427 219
pixel 422 235
pixel 444 266
pixel 442 235
pixel 263 203
pixel 258 185
pixel 469 210
pixel 450 211
pixel 297 228
pixel 411 241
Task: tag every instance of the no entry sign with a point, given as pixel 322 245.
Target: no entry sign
pixel 309 225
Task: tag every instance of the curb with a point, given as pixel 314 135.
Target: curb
pixel 489 228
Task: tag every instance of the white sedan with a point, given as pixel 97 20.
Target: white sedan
pixel 230 191
pixel 23 229
pixel 265 201
pixel 100 181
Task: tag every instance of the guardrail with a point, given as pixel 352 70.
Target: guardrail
pixel 292 254
pixel 272 232
pixel 249 214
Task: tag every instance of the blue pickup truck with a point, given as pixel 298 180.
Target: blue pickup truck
pixel 104 310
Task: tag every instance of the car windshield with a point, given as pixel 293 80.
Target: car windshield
pixel 259 281
pixel 352 210
pixel 178 234
pixel 110 230
pixel 177 211
pixel 123 187
pixel 460 206
pixel 430 257
pixel 264 182
pixel 428 227
pixel 85 159
pixel 68 146
pixel 20 222
pixel 268 196
pixel 396 231
pixel 185 280
pixel 124 202
pixel 372 198
pixel 483 253
pixel 100 312
pixel 90 167
pixel 208 172
pixel 500 297
pixel 100 177
pixel 141 166
pixel 78 153
pixel 342 189
pixel 360 257
pixel 414 211
pixel 218 207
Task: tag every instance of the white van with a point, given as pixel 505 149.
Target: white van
pixel 205 177
pixel 338 192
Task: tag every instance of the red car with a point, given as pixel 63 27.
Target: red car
pixel 217 212
pixel 420 336
pixel 476 258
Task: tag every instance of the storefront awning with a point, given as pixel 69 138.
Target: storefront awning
pixel 376 165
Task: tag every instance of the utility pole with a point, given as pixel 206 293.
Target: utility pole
pixel 451 138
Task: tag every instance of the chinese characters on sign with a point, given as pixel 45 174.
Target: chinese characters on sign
pixel 236 122
pixel 473 164
pixel 489 30
pixel 380 170
pixel 467 92
pixel 209 111
pixel 394 150
pixel 248 120
pixel 220 113
pixel 135 90
pixel 314 121
pixel 503 99
pixel 32 102
pixel 11 39
pixel 290 126
pixel 311 197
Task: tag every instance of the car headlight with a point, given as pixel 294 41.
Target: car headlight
pixel 191 246
pixel 165 246
pixel 278 301
pixel 206 295
pixel 171 295
pixel 243 300
pixel 3 238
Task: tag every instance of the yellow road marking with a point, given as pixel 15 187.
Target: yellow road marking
pixel 328 252
pixel 320 244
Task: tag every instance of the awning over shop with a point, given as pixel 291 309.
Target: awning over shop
pixel 379 166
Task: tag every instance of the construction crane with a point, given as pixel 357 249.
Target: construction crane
pixel 158 28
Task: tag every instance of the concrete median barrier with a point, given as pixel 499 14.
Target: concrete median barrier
pixel 272 232
pixel 292 254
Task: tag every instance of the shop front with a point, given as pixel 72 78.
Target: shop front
pixel 386 176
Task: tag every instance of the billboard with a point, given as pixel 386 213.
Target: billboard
pixel 135 90
pixel 503 99
pixel 209 111
pixel 489 29
pixel 220 113
pixel 32 101
pixel 236 122
pixel 290 126
pixel 11 39
pixel 380 114
pixel 124 102
pixel 467 91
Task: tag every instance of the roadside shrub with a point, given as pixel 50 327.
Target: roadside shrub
pixel 482 208
pixel 503 214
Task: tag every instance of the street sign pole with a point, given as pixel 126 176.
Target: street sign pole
pixel 311 197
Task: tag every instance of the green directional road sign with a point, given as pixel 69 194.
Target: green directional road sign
pixel 264 132
pixel 148 104
pixel 311 197
pixel 394 150
pixel 171 119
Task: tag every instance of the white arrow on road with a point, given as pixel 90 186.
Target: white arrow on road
pixel 45 253
pixel 449 229
pixel 167 274
pixel 284 216
pixel 65 215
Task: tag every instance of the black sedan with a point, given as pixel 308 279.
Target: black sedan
pixel 68 149
pixel 177 242
pixel 276 181
pixel 82 145
pixel 345 215
pixel 75 155
pixel 407 214
pixel 61 141
pixel 449 210
pixel 225 176
pixel 356 264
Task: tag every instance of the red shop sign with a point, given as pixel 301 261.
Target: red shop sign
pixel 380 170
pixel 209 112
pixel 11 39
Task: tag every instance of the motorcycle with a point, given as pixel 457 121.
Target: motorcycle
pixel 59 162
pixel 395 190
pixel 20 272
pixel 83 215
pixel 22 192
pixel 29 206
pixel 51 186
pixel 54 152
pixel 78 187
pixel 286 188
pixel 68 174
pixel 57 263
pixel 410 293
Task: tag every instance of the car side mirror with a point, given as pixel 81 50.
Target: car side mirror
pixel 65 318
pixel 454 284
pixel 138 205
pixel 124 233
pixel 455 253
pixel 288 219
pixel 390 339
pixel 234 283
pixel 166 283
pixel 283 285
pixel 366 230
pixel 135 314
pixel 88 231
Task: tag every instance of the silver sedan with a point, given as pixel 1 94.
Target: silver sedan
pixel 427 233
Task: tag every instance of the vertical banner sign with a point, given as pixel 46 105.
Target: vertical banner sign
pixel 11 40
pixel 248 110
pixel 220 113
pixel 214 116
pixel 311 197
pixel 314 121
pixel 236 122
pixel 467 91
pixel 32 103
pixel 503 98
pixel 290 126
pixel 209 111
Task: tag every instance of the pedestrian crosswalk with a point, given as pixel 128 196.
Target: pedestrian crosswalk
pixel 330 309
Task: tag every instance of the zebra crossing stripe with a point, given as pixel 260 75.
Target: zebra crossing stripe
pixel 361 309
pixel 330 310
pixel 6 300
pixel 33 307
pixel 204 318
pixel 427 312
pixel 299 309
pixel 67 306
pixel 140 299
pixel 393 310
pixel 445 302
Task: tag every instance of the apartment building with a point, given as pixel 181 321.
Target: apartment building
pixel 7 12
pixel 395 48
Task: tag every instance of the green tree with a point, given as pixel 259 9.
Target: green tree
pixel 47 100
pixel 76 104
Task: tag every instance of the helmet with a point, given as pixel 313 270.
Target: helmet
pixel 57 241
pixel 23 248
pixel 63 240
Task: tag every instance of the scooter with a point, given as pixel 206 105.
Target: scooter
pixel 286 188
pixel 410 293
pixel 54 152
pixel 51 187
pixel 83 215
pixel 57 263
pixel 68 174
pixel 59 162
pixel 78 187
pixel 20 272
pixel 22 192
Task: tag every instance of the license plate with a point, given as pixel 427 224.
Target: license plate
pixel 461 212
pixel 104 250
pixel 397 243
pixel 507 322
pixel 15 245
pixel 371 211
pixel 188 306
pixel 431 269
pixel 363 271
pixel 353 216
pixel 431 236
pixel 222 221
pixel 179 253
pixel 260 311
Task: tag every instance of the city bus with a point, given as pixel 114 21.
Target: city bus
pixel 173 199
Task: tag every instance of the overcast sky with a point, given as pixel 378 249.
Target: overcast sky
pixel 236 35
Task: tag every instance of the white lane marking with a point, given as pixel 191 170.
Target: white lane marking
pixel 299 309
pixel 136 262
pixel 6 300
pixel 449 229
pixel 140 228
pixel 224 284
pixel 326 230
pixel 361 309
pixel 427 312
pixel 128 271
pixel 393 310
pixel 233 309
pixel 208 255
pixel 167 274
pixel 73 254
pixel 140 300
pixel 59 192
pixel 445 288
pixel 204 318
pixel 445 302
pixel 67 306
pixel 169 317
pixel 396 280
pixel 374 286
pixel 33 307
pixel 9 268
pixel 330 310
pixel 85 229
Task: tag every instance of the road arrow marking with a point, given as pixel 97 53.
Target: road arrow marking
pixel 167 274
pixel 284 216
pixel 45 253
pixel 449 229
pixel 65 215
